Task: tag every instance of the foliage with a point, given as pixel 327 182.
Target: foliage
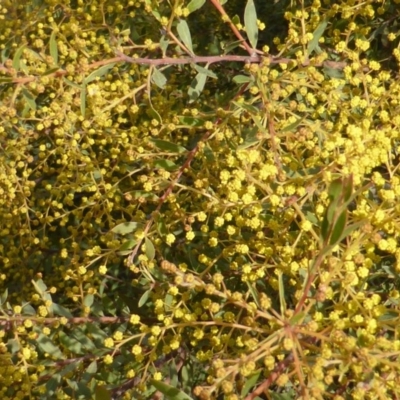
pixel 199 199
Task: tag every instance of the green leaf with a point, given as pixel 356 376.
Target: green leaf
pixel 70 343
pixel 335 189
pixel 39 286
pixel 347 188
pixel 53 48
pixel 144 298
pixel 294 125
pixel 46 345
pixel 52 384
pixel 158 78
pixel 184 34
pixel 282 294
pixel 150 250
pixel 168 146
pixel 317 34
pixel 51 71
pixel 88 300
pixel 197 86
pixel 231 46
pixel 191 121
pixel 16 63
pixel 254 294
pixel 168 165
pixel 80 335
pixel 60 310
pixel 250 23
pixel 92 368
pixel 101 393
pixel 281 396
pixel 251 381
pixel 349 229
pixel 98 73
pixel 338 229
pixel 3 297
pixel 128 245
pixel 72 84
pixel 195 5
pixel 205 71
pixel 242 79
pixel 164 43
pixel 83 101
pixel 29 98
pixel 125 228
pixel 170 392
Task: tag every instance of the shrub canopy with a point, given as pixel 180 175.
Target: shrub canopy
pixel 199 199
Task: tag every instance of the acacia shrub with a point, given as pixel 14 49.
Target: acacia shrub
pixel 199 231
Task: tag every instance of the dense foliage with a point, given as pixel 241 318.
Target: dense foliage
pixel 199 199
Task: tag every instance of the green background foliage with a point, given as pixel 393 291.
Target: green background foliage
pixel 221 228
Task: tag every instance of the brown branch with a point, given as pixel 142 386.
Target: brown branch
pixel 121 58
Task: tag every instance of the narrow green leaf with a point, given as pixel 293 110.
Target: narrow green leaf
pixel 92 368
pixel 83 101
pixel 282 294
pixel 232 46
pixel 52 384
pixel 251 382
pixel 101 393
pixel 332 210
pixel 168 165
pixel 347 188
pixel 60 310
pixel 191 121
pixel 72 84
pixel 195 5
pixel 184 34
pixel 158 78
pixel 150 250
pixel 242 79
pixel 161 227
pixel 51 71
pixel 170 392
pixel 205 71
pixel 335 189
pixel 297 318
pixel 98 73
pixel 317 34
pixel 325 229
pixel 349 229
pixel 293 126
pixel 164 43
pixel 250 23
pixel 39 286
pixel 197 86
pixel 29 98
pixel 46 345
pixel 81 336
pixel 17 58
pixel 128 245
pixel 3 297
pixel 125 228
pixel 144 298
pixel 88 300
pixel 70 343
pixel 254 294
pixel 53 48
pixel 168 146
pixel 338 229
